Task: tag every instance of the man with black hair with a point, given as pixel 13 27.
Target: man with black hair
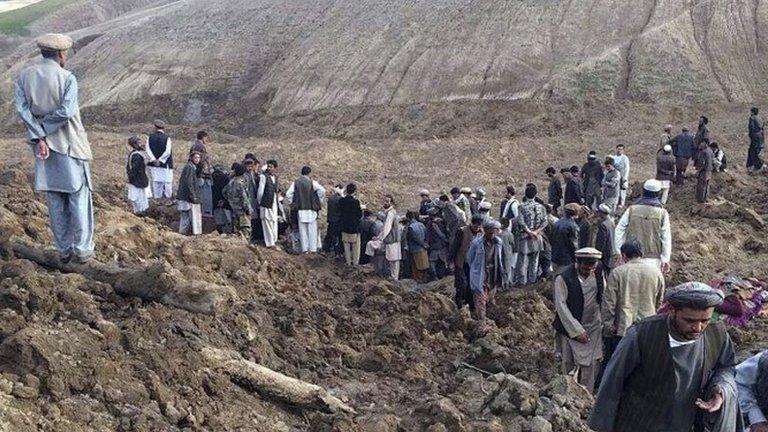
pixel 611 185
pixel 266 196
pixel 578 294
pixel 683 149
pixel 705 166
pixel 592 176
pixel 554 190
pixel 621 163
pixel 332 240
pixel 138 181
pixel 531 225
pixel 573 189
pixel 238 199
pixel 305 196
pixel 702 133
pixel 565 238
pixel 437 239
pixel 634 292
pixel 350 214
pixel 453 217
pixel 756 141
pixel 252 172
pixel 222 211
pixel 416 239
pixel 204 172
pixel 485 259
pixel 189 196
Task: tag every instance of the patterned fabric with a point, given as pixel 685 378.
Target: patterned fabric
pixel 532 216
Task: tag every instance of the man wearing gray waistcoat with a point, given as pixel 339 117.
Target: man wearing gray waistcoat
pixel 46 99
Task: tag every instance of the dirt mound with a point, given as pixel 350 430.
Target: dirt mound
pixel 77 352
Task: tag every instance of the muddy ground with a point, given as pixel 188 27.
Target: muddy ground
pixel 82 353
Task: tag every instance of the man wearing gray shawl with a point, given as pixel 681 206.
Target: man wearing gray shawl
pixel 672 371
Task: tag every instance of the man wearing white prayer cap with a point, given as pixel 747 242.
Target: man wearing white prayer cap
pixel 46 99
pixel 665 171
pixel 578 324
pixel 673 371
pixel 647 222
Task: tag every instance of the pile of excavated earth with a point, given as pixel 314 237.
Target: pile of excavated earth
pixel 165 332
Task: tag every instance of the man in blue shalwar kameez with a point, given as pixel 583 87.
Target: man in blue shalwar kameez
pixel 46 99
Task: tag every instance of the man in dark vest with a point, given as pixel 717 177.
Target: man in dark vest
pixel 332 241
pixel 565 239
pixel 267 199
pixel 756 141
pixel 305 196
pixel 752 383
pixel 554 190
pixel 672 371
pixel 160 156
pixel 578 325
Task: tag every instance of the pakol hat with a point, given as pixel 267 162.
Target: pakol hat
pixel 574 207
pixel 424 192
pixel 589 253
pixel 54 42
pixel 466 190
pixel 159 124
pixel 652 185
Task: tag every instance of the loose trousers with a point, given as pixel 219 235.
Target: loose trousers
pixel 269 227
pixel 702 189
pixel 308 236
pixel 753 155
pixel 527 268
pixel 351 248
pixel 681 165
pixel 162 189
pixel 72 221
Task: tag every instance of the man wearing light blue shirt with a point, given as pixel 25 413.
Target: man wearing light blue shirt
pixel 752 383
pixel 46 99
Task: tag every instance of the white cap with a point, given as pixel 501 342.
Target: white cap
pixel 423 192
pixel 485 205
pixel 667 148
pixel 652 185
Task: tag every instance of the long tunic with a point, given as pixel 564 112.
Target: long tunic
pixel 688 360
pixel 634 292
pixel 591 322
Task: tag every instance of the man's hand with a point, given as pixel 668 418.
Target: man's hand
pixel 714 403
pixel 666 267
pixel 582 338
pixel 43 152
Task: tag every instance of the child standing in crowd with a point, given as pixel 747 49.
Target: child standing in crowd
pixel 139 191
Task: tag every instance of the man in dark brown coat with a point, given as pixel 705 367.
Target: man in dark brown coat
pixel 665 170
pixel 704 167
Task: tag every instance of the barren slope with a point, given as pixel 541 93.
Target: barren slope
pixel 193 59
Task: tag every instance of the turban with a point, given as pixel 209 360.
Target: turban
pixel 695 295
pixel 491 224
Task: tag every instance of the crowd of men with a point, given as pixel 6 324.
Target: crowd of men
pixel 654 372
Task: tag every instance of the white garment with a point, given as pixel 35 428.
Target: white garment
pixel 139 198
pixel 162 182
pixel 392 250
pixel 269 225
pixel 308 235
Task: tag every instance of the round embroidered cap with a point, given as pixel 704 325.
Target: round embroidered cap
pixel 589 253
pixel 54 42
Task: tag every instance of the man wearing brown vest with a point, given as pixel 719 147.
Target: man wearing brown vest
pixel 305 195
pixel 671 371
pixel 647 222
